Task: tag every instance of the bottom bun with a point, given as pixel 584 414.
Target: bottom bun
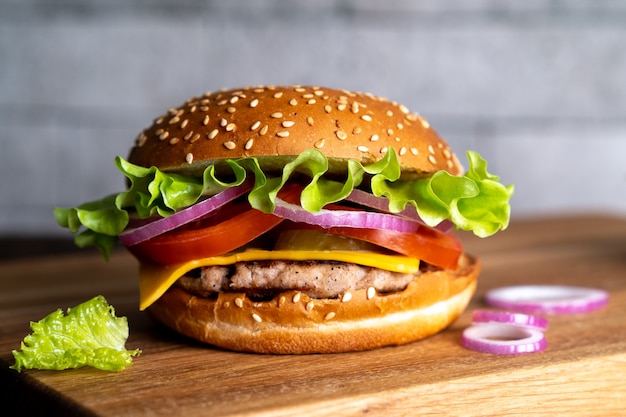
pixel 294 323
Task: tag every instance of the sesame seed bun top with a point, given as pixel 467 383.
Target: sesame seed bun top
pixel 269 121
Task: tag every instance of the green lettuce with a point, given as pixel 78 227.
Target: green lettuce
pixel 474 202
pixel 89 335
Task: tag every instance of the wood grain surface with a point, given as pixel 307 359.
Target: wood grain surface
pixel 582 373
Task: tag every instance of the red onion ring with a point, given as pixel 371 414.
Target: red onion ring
pixel 480 317
pixel 196 211
pixel 382 204
pixel 345 218
pixel 503 339
pixel 548 299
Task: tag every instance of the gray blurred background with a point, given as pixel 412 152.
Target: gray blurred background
pixel 537 87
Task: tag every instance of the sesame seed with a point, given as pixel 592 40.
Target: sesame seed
pixel 389 113
pixel 400 126
pixel 362 148
pixel 189 158
pixel 248 144
pixel 374 137
pixel 180 112
pixel 384 149
pixel 310 305
pixel 347 296
pixel 158 121
pixel 357 130
pixel 293 102
pixel 390 132
pixel 222 102
pixel 281 300
pixel 329 316
pixel 255 125
pixel 234 99
pixel 184 123
pixel 288 123
pixel 299 90
pixel 432 159
pixel 328 108
pixel 223 122
pixel 431 149
pixel 397 139
pixel 403 151
pixel 174 119
pixel 320 143
pixel 414 151
pixel 263 130
pixel 256 318
pixel 424 123
pixel 174 141
pixel 311 101
pixel 226 304
pixel 159 132
pixel 230 127
pixel 296 297
pixel 308 95
pixel 230 145
pixel 238 302
pixel 193 109
pixel 195 138
pixel 231 110
pixel 259 90
pixel 447 154
pixel 450 163
pixel 205 121
pixel 355 107
pixel 341 135
pixel 282 134
pixel 309 120
pixel 341 107
pixel 278 95
pixel 141 139
pixel 276 115
pixel 404 109
pixel 318 92
pixel 254 103
pixel 204 108
pixel 366 117
pixel 188 135
pixel 371 292
pixel 212 134
pixel 164 135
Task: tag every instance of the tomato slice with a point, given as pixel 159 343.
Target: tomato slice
pixel 187 245
pixel 429 245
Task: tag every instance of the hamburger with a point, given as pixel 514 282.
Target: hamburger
pixel 293 220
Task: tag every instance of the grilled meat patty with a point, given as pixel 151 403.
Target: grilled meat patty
pixel 316 279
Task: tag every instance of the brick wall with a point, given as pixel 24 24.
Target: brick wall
pixel 538 87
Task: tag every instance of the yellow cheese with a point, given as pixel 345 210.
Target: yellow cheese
pixel 155 279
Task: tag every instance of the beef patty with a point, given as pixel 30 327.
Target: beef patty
pixel 316 279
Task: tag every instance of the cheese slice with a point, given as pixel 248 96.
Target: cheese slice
pixel 155 279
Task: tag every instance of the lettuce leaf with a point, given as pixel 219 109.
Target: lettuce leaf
pixel 474 202
pixel 89 335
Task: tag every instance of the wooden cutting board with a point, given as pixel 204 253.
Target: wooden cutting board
pixel 583 371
